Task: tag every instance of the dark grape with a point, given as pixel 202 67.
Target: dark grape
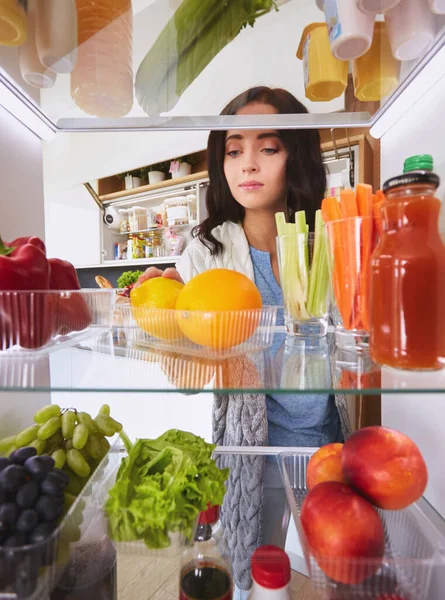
pixel 27 520
pixel 27 494
pixel 26 575
pixel 38 466
pixel 59 475
pixel 49 507
pixel 16 540
pixel 22 454
pixel 12 478
pixel 50 486
pixel 42 531
pixel 8 516
pixel 4 462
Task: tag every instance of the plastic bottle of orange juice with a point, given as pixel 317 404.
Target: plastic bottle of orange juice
pixel 12 23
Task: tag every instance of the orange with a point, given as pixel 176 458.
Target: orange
pixel 152 306
pixel 219 309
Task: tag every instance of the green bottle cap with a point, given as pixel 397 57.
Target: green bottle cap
pixel 419 162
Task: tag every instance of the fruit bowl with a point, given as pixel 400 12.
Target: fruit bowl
pixel 409 557
pixel 208 334
pixel 38 321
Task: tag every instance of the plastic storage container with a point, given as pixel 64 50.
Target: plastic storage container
pixel 411 29
pixel 325 77
pixel 138 218
pixel 376 6
pixel 177 211
pixel 12 23
pixel 102 80
pixel 437 6
pixel 350 29
pixel 410 553
pixel 38 321
pixel 31 69
pixel 56 35
pixel 376 73
pixel 226 333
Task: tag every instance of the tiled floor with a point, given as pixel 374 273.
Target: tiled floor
pixel 144 578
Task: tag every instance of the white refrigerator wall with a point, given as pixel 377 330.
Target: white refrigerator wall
pixel 421 416
pixel 21 180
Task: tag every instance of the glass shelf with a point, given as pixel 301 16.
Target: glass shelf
pixel 108 363
pixel 142 68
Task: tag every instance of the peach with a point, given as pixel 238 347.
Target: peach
pixel 343 531
pixel 385 466
pixel 325 465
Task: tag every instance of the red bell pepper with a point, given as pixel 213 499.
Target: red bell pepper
pixel 34 241
pixel 25 318
pixel 73 312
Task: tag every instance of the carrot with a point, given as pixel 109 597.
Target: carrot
pixel 331 208
pixel 348 204
pixel 365 207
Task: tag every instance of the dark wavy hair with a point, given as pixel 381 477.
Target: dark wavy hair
pixel 305 172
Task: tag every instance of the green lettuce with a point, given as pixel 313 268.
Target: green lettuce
pixel 162 486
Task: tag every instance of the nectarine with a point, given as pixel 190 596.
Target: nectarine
pixel 325 465
pixel 385 466
pixel 343 531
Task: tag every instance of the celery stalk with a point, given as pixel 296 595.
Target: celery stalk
pixel 302 250
pixel 319 275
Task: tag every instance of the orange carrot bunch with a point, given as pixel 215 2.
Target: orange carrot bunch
pixel 353 225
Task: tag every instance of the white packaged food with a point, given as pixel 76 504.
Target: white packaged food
pixel 411 29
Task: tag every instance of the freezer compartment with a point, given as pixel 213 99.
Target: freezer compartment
pixel 411 549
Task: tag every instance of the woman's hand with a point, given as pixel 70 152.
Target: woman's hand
pixel 152 272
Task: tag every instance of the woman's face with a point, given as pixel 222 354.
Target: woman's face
pixel 255 164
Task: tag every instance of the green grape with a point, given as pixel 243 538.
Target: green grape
pixel 55 440
pixel 117 425
pixel 105 445
pixel 39 445
pixel 105 425
pixel 49 428
pixel 77 463
pixel 46 413
pixel 104 410
pixel 85 419
pixel 69 500
pixel 75 485
pixel 80 436
pixel 6 443
pixel 27 435
pixel 94 447
pixel 59 457
pixel 68 424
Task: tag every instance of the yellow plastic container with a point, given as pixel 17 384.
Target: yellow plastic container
pixel 12 23
pixel 325 77
pixel 376 74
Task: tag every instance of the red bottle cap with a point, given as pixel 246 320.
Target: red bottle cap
pixel 270 567
pixel 209 516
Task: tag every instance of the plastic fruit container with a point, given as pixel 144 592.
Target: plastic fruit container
pixel 410 552
pixel 325 77
pixel 411 28
pixel 213 334
pixel 376 74
pixel 376 6
pixel 350 29
pixel 37 321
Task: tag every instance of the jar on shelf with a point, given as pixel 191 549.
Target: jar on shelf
pixel 138 218
pixel 157 241
pixel 177 210
pixel 151 218
pixel 191 201
pixel 125 223
pixel 149 247
pixel 138 246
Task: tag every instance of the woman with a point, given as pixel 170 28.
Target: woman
pixel 254 174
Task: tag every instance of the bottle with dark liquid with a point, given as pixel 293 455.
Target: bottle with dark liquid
pixel 206 573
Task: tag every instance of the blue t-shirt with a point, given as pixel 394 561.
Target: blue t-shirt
pixel 293 419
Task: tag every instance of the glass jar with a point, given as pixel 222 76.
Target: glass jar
pixel 191 201
pixel 138 218
pixel 407 315
pixel 157 242
pixel 177 210
pixel 125 223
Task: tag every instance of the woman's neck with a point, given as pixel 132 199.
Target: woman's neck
pixel 261 230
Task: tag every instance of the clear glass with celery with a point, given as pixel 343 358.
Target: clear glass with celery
pixel 304 275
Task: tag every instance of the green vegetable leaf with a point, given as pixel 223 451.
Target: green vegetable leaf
pixel 128 278
pixel 161 487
